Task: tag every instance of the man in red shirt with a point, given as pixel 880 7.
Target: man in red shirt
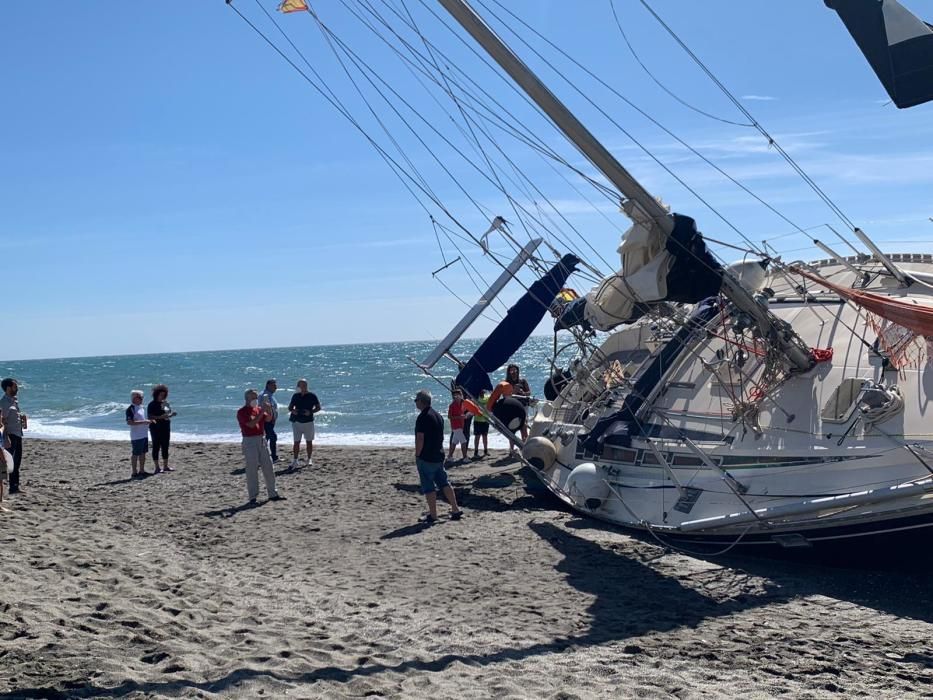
pixel 252 418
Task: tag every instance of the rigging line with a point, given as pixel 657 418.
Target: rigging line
pixel 298 51
pixel 610 192
pixel 544 304
pixel 341 109
pixel 465 261
pixel 505 126
pixel 635 107
pixel 532 141
pixel 771 141
pixel 509 129
pixel 360 65
pixel 463 301
pixel 335 102
pixel 331 38
pixel 359 62
pixel 466 119
pixel 661 85
pixel 438 239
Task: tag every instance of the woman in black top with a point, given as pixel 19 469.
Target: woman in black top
pixel 520 388
pixel 160 413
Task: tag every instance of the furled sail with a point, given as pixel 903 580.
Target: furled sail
pixel 519 323
pixel 656 267
pixel 897 44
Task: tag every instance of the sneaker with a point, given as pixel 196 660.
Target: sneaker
pixel 294 464
pixel 427 519
pixel 457 515
pixel 310 463
pixel 277 497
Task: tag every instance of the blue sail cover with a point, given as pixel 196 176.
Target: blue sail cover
pixel 897 44
pixel 519 323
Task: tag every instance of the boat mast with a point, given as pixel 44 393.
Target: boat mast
pixel 578 134
pixel 646 208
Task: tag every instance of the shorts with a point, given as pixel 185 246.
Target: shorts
pixel 480 427
pixel 457 437
pixel 433 476
pixel 303 430
pixel 140 446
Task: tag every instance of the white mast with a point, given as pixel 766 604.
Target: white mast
pixel 484 301
pixel 578 134
pixel 641 206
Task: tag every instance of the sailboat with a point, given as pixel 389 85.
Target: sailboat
pixel 762 404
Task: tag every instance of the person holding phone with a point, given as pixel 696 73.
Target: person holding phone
pixel 252 418
pixel 160 412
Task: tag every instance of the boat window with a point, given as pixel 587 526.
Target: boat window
pixel 649 458
pixel 841 403
pixel 618 454
pixel 687 461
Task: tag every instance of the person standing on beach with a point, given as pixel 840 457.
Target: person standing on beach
pixel 160 413
pixel 457 415
pixel 5 468
pixel 139 433
pixel 301 410
pixel 268 396
pixel 14 422
pixel 429 458
pixel 480 424
pixel 252 418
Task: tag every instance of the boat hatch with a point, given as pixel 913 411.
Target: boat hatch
pixel 843 400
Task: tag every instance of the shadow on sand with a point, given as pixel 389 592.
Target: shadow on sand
pixel 630 599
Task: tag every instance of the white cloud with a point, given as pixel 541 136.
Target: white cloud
pixel 759 98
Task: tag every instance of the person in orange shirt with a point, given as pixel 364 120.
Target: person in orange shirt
pixel 509 410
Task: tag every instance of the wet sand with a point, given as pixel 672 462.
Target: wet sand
pixel 163 588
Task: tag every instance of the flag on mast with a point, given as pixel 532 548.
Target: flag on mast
pixel 287 6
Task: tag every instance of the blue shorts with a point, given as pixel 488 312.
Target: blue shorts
pixel 140 447
pixel 432 474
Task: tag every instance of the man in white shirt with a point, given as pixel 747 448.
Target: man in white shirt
pixel 139 432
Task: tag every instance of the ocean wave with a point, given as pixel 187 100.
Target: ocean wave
pixel 101 410
pixel 71 432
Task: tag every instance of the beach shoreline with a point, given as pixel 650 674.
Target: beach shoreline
pixel 165 587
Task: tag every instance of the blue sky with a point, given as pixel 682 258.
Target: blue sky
pixel 168 183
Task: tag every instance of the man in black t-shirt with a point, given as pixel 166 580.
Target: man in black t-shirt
pixel 429 457
pixel 301 410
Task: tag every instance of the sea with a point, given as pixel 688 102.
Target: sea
pixel 366 390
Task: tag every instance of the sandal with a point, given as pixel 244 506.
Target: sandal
pixel 427 519
pixel 457 515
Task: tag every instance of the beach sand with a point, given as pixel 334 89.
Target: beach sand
pixel 120 588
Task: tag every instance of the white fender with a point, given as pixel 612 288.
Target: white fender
pixel 541 452
pixel 587 487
